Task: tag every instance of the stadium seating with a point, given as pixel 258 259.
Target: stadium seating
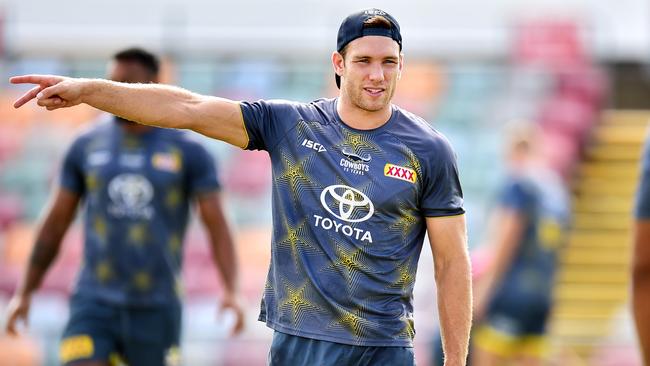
pixel 593 282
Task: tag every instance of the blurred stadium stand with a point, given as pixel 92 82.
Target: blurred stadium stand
pixel 594 277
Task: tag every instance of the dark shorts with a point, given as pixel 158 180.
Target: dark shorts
pixel 290 350
pixel 519 314
pixel 134 335
pixel 515 326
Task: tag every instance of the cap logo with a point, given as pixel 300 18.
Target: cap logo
pixel 374 12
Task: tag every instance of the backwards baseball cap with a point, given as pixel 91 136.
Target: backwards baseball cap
pixel 354 26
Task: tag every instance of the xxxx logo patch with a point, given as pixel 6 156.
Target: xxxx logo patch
pixel 400 172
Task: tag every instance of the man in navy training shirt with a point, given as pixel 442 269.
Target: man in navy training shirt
pixel 357 182
pixel 136 184
pixel 514 296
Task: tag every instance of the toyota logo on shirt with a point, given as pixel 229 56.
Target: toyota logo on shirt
pixel 347 203
pixel 131 196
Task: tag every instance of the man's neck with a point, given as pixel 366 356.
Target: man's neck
pixel 362 119
pixel 132 127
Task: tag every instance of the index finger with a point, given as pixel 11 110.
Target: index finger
pixel 29 79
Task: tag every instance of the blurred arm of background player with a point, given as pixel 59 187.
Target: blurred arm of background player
pixel 448 240
pixel 149 104
pixel 641 259
pixel 641 285
pixel 507 229
pixel 223 254
pixel 49 236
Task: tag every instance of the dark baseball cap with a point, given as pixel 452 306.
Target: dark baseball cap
pixel 353 28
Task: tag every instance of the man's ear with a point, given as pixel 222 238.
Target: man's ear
pixel 401 66
pixel 338 63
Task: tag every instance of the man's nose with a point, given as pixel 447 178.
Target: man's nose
pixel 376 72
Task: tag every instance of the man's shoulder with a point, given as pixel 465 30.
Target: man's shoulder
pixel 92 131
pixel 521 183
pixel 322 105
pixel 419 134
pixel 191 144
pixel 183 139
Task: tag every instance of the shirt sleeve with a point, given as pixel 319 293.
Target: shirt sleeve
pixel 443 195
pixel 71 175
pixel 642 205
pixel 266 123
pixel 201 171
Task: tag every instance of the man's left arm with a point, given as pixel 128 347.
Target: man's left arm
pixel 223 253
pixel 448 240
pixel 641 285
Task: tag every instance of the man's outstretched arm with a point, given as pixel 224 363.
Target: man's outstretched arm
pixel 150 104
pixel 448 239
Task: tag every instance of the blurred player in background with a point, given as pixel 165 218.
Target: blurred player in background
pixel 513 298
pixel 357 182
pixel 641 258
pixel 136 184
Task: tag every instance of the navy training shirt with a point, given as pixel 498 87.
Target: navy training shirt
pixel 349 209
pixel 136 191
pixel 540 197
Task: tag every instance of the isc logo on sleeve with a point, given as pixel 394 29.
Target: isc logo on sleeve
pixel 400 172
pixel 313 145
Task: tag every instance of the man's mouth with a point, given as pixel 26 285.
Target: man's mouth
pixel 374 91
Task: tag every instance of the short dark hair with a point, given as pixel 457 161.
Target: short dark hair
pixel 138 55
pixel 377 21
